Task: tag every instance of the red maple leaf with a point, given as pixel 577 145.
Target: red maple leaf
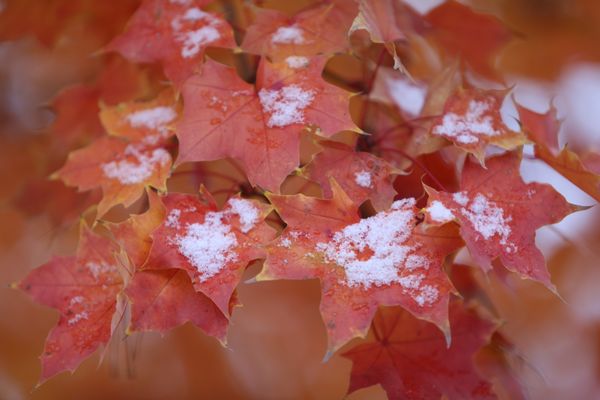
pixel 164 299
pixel 175 33
pixel 150 121
pixel 411 360
pixel 77 107
pixel 161 299
pixel 133 234
pixel 320 29
pixel 381 260
pixel 361 175
pixel 499 215
pixel 543 130
pixel 213 247
pixel 477 38
pixel 83 288
pixel 226 117
pixel 54 20
pixel 387 21
pixel 123 166
pixel 472 121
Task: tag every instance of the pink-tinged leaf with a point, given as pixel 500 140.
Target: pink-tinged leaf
pixel 226 117
pixel 543 130
pixel 361 175
pixel 164 299
pixel 411 360
pixel 320 29
pixel 387 21
pixel 174 33
pixel 133 234
pixel 149 121
pixel 499 215
pixel 477 38
pixel 77 107
pixel 382 260
pixel 472 121
pixel 213 247
pixel 83 288
pixel 121 168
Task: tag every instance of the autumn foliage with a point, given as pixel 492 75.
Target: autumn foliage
pixel 360 144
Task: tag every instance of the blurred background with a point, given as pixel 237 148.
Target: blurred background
pixel 276 347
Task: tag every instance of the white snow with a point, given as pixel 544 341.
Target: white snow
pixel 78 317
pixel 428 295
pixel 461 198
pixel 488 220
pixel 216 102
pixel 288 35
pixel 195 40
pixel 208 245
pixel 173 218
pixel 76 300
pixel 144 163
pixel 196 14
pixel 285 105
pixel 247 212
pixel 152 118
pixel 297 62
pixel 98 268
pixel 407 95
pixel 415 261
pixel 468 128
pixel 439 213
pixel 363 179
pixel 192 37
pixel 373 252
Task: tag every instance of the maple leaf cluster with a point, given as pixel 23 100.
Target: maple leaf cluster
pixel 322 143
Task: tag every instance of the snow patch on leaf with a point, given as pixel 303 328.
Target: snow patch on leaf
pixel 288 35
pixel 439 213
pixel 363 179
pixel 460 198
pixel 297 62
pixel 466 129
pixel 488 220
pixel 77 317
pixel 246 211
pixel 373 252
pixel 172 220
pixel 285 105
pixel 208 245
pixel 194 38
pixel 154 118
pixel 97 269
pixel 138 165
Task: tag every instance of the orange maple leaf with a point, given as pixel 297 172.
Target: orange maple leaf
pixel 382 260
pixel 224 116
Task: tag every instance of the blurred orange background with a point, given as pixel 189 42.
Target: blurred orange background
pixel 277 339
